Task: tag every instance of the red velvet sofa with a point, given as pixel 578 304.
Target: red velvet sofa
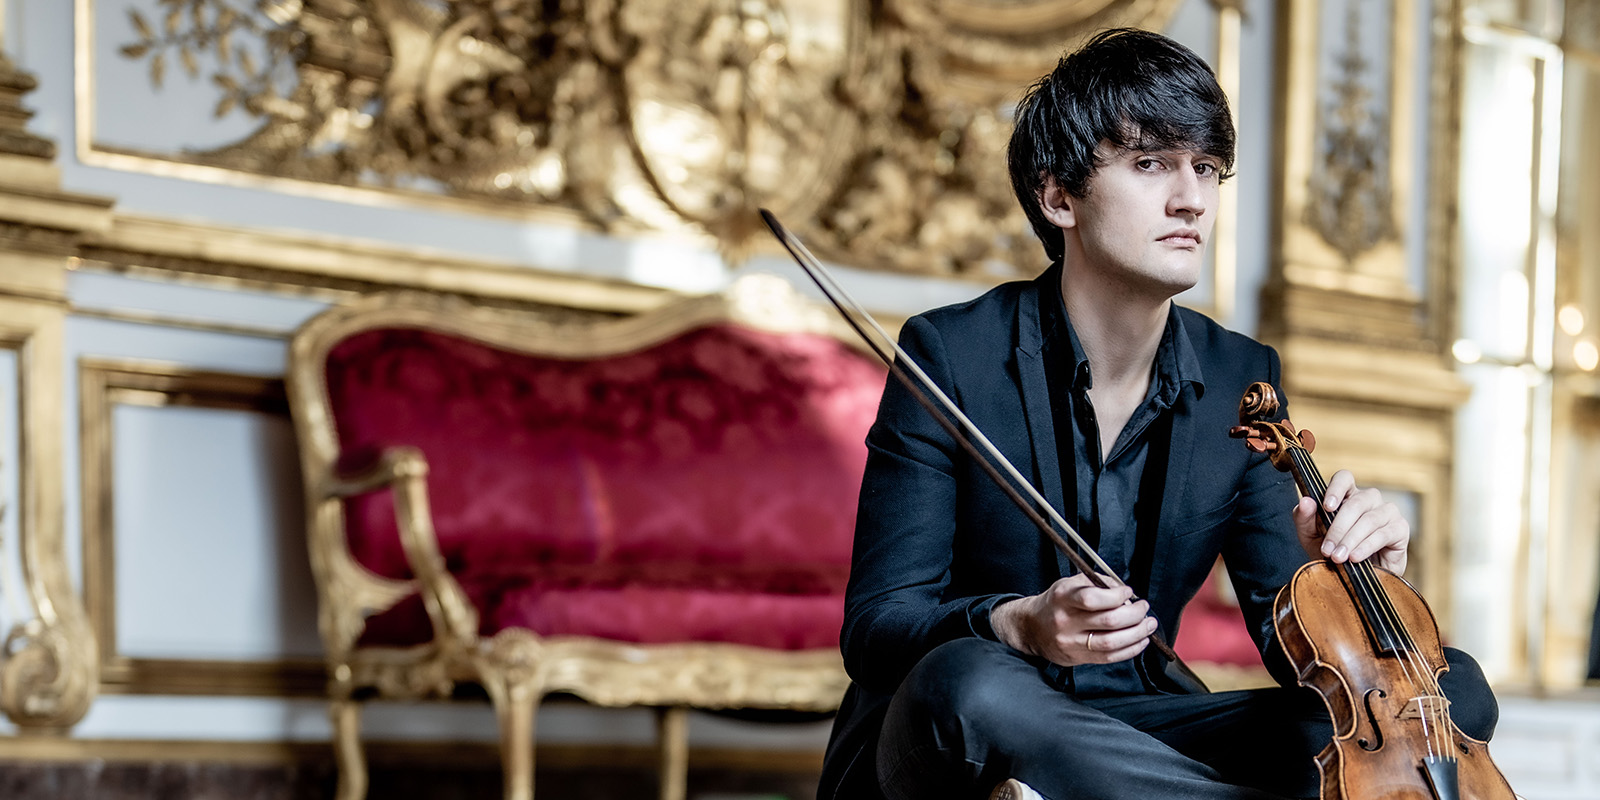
pixel 1215 641
pixel 654 510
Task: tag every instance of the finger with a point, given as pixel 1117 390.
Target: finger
pixel 1392 533
pixel 1118 618
pixel 1113 646
pixel 1305 519
pixel 1080 581
pixel 1093 598
pixel 1125 653
pixel 1393 559
pixel 1117 639
pixel 1340 486
pixel 1344 536
pixel 1359 515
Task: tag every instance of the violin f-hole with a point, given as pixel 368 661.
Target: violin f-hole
pixel 1372 721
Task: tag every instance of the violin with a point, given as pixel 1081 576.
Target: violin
pixel 1366 641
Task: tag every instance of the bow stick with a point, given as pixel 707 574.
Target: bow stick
pixel 960 428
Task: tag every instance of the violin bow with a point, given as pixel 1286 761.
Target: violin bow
pixel 961 429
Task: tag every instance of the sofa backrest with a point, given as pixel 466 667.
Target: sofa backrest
pixel 724 454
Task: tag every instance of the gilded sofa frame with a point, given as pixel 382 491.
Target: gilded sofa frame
pixel 516 667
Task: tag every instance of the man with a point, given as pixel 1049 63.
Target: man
pixel 978 654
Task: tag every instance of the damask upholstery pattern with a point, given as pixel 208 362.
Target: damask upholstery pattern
pixel 1214 630
pixel 702 489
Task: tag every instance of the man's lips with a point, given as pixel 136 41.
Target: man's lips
pixel 1182 237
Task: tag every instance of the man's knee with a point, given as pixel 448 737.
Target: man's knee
pixel 1472 705
pixel 953 684
pixel 934 742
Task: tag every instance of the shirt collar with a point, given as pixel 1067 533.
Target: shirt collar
pixel 1175 343
pixel 1176 360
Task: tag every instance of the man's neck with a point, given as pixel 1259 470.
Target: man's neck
pixel 1119 333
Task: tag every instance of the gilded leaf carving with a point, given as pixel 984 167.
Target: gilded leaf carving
pixel 1352 206
pixel 878 127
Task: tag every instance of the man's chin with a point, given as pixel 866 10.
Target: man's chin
pixel 1174 284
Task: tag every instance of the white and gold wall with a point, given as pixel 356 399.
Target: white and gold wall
pixel 1413 214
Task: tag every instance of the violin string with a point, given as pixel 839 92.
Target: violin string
pixel 1362 573
pixel 1410 660
pixel 1386 617
pixel 1430 682
pixel 1423 679
pixel 1427 709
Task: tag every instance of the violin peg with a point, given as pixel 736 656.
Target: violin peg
pixel 1257 445
pixel 1240 432
pixel 1308 441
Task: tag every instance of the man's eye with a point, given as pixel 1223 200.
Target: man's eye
pixel 1148 163
pixel 1206 170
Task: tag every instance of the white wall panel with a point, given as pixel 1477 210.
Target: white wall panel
pixel 210 542
pixel 106 292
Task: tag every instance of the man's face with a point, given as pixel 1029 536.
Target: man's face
pixel 1146 219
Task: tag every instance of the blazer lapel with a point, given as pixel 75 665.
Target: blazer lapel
pixel 1036 398
pixel 1179 457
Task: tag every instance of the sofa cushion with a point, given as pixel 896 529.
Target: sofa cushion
pixel 722 464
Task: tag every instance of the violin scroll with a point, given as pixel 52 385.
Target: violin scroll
pixel 1260 435
pixel 1260 402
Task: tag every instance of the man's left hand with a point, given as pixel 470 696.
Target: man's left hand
pixel 1364 525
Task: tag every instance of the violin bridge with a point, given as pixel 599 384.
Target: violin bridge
pixel 1432 705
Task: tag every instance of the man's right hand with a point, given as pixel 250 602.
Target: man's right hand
pixel 1075 622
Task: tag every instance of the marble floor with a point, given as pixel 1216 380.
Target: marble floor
pixel 1549 749
pixel 222 781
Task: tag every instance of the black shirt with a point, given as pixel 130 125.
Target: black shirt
pixel 1113 503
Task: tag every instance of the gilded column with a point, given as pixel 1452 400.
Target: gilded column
pixel 49 667
pixel 1366 355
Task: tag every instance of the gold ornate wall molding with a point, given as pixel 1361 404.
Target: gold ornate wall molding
pixel 1366 363
pixel 48 674
pixel 103 385
pixel 878 126
pixel 334 269
pixel 1343 186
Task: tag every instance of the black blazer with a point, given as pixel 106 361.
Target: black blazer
pixel 938 545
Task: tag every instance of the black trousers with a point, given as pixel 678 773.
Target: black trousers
pixel 974 712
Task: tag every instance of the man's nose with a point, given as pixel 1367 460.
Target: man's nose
pixel 1188 193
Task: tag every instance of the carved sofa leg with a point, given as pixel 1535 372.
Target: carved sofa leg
pixel 515 704
pixel 672 729
pixel 510 668
pixel 347 754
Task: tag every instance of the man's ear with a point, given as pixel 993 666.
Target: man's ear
pixel 1056 204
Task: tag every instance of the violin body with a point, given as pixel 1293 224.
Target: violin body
pixel 1385 717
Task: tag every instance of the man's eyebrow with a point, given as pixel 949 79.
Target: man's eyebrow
pixel 1157 151
pixel 1166 151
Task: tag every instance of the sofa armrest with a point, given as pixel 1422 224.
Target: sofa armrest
pixel 370 471
pixel 404 471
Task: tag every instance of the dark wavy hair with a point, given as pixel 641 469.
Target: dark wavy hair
pixel 1135 89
